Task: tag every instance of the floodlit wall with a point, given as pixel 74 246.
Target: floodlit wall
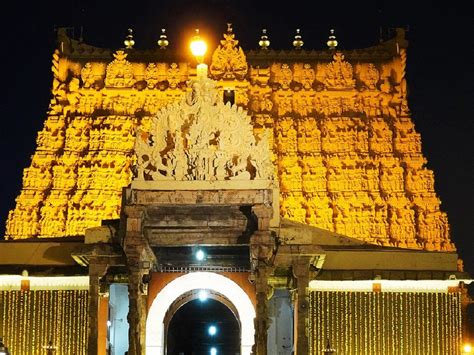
pixel 347 154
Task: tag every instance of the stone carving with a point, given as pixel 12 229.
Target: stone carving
pixel 119 73
pixel 228 60
pixel 261 102
pixel 176 74
pixel 282 75
pixel 87 75
pixel 259 76
pixel 369 75
pixel 200 138
pixel 339 74
pixel 304 75
pixel 151 75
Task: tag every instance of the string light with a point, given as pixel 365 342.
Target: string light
pixel 385 322
pixel 30 319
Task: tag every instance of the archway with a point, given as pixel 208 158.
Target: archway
pixel 200 325
pixel 155 330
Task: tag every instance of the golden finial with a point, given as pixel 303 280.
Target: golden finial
pixel 332 42
pixel 298 42
pixel 163 41
pixel 229 27
pixel 129 42
pixel 264 42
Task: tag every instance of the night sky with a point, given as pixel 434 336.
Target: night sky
pixel 440 69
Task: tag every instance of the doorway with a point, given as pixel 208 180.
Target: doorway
pixel 180 291
pixel 202 326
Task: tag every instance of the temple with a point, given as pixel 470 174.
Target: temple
pixel 297 175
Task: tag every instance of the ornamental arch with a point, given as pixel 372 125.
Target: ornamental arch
pixel 222 285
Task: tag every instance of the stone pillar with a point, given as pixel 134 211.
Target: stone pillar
pixel 96 271
pixel 301 274
pixel 262 246
pixel 261 320
pixel 135 248
pixel 137 308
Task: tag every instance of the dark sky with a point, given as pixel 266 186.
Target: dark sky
pixel 440 69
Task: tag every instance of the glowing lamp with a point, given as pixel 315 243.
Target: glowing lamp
pixel 200 255
pixel 198 47
pixel 202 295
pixel 467 348
pixel 213 351
pixel 212 330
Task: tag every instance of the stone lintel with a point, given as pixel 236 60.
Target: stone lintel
pixel 202 185
pixel 202 197
pixel 156 238
pixel 231 193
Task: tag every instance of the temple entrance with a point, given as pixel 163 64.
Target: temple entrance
pixel 176 308
pixel 202 326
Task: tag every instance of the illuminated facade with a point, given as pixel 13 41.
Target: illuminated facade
pixel 301 171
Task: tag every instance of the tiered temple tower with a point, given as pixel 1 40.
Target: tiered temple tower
pixel 346 152
pixel 299 172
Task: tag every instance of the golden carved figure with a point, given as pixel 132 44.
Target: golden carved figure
pixel 119 72
pixel 228 60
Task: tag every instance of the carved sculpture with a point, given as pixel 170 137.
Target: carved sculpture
pixel 119 72
pixel 151 75
pixel 339 74
pixel 282 75
pixel 228 60
pixel 304 74
pixel 87 75
pixel 217 142
pixel 368 75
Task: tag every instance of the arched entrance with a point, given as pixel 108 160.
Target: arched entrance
pixel 155 328
pixel 200 325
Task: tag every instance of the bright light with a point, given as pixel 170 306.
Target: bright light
pixel 467 348
pixel 202 295
pixel 198 46
pixel 200 255
pixel 212 330
pixel 213 351
pixel 109 323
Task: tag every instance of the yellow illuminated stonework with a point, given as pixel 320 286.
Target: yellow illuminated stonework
pixel 346 153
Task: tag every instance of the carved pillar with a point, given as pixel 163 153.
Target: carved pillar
pixel 137 308
pixel 262 246
pixel 262 321
pixel 96 271
pixel 301 274
pixel 137 253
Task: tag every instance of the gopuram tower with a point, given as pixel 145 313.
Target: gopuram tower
pixel 297 174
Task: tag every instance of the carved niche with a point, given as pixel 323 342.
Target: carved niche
pixel 200 138
pixel 119 72
pixel 228 60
